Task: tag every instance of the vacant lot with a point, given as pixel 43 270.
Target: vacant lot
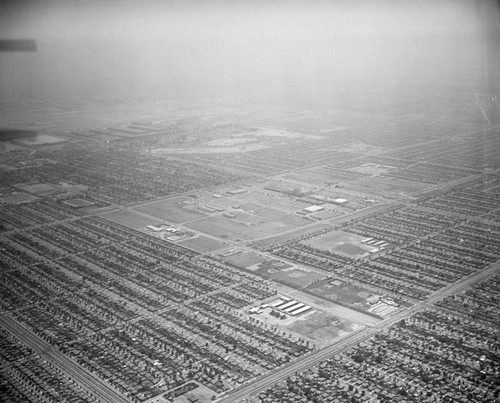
pixel 386 185
pixel 202 244
pixel 274 215
pixel 129 218
pixel 172 210
pixel 322 327
pixel 243 226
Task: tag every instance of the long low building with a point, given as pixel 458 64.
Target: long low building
pixel 293 307
pixel 286 305
pixel 298 311
pixel 313 209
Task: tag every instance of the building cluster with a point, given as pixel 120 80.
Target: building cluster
pixel 425 249
pixel 481 302
pixel 26 377
pixel 143 314
pixel 267 161
pixel 473 199
pixel 153 318
pixel 18 216
pixel 119 174
pixel 430 357
pixel 204 341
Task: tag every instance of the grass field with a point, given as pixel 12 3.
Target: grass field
pixel 246 260
pixel 171 210
pixel 340 291
pixel 322 327
pixel 297 277
pixel 340 242
pixel 331 175
pixel 370 170
pixel 16 198
pixel 202 244
pixel 386 185
pixel 129 218
pixel 40 189
pixel 243 226
pixel 274 215
pixel 308 177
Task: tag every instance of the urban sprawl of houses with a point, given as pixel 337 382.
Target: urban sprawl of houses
pixel 275 255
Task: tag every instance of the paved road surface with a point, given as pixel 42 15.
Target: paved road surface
pixel 87 379
pixel 267 381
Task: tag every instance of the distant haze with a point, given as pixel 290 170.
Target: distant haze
pixel 197 48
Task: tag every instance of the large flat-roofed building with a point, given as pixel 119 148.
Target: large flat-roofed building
pixel 313 209
pixel 341 201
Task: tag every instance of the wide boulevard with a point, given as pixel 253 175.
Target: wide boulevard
pixel 91 382
pixel 254 387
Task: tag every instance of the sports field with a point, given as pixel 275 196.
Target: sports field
pixel 341 292
pixel 246 260
pixel 202 244
pixel 297 277
pixel 340 242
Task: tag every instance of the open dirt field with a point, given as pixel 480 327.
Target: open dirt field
pixel 171 210
pixel 274 215
pixel 383 186
pixel 202 244
pixel 322 328
pixel 243 226
pixel 129 218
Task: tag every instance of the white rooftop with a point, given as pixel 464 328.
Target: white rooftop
pixel 313 209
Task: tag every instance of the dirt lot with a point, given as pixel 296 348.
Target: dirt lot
pixel 202 244
pixel 171 210
pixel 129 218
pixel 243 226
pixel 385 185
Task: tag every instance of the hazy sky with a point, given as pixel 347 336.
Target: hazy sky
pixel 139 47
